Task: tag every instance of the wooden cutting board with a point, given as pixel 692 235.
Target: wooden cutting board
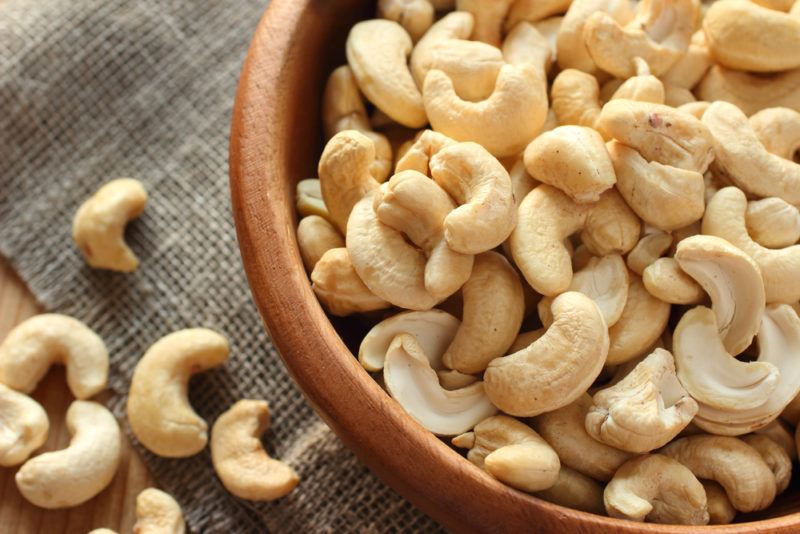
pixel 113 508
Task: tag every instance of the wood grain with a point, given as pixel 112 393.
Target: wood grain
pixel 113 508
pixel 275 140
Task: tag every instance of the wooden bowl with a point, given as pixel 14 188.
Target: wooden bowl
pixel 276 141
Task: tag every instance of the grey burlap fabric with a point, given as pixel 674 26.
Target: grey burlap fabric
pixel 92 90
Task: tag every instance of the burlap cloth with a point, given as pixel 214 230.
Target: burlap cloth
pixel 92 90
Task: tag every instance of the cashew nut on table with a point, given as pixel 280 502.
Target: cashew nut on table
pixel 582 266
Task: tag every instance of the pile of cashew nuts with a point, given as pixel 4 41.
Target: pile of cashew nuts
pixel 571 227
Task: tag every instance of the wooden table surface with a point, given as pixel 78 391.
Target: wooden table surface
pixel 114 507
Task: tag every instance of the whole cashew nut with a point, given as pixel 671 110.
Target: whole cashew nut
pixel 239 459
pixel 456 25
pixel 778 129
pixel 665 280
pixel 43 340
pixel 472 66
pixel 415 16
pixel 338 287
pixel 692 66
pixel 575 98
pixel 643 320
pixel 643 87
pixel 73 475
pixel 611 226
pixel 158 513
pixel 525 44
pixel 773 222
pixel 572 52
pixel 575 490
pixel 489 16
pixel 23 426
pixel 158 409
pixel 750 92
pixel 315 237
pixel 720 509
pixel 651 246
pixel 99 225
pixel 775 457
pixel 308 199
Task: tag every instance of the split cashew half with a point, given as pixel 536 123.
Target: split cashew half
pixel 158 409
pixel 158 513
pixel 99 225
pixel 23 426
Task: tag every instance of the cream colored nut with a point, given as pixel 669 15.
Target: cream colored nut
pixel 481 187
pixel 611 227
pixel 605 281
pixel 564 429
pixel 732 280
pixel 525 339
pixel 676 96
pixel 742 159
pixel 43 340
pixel 534 11
pixel 745 36
pixel 315 237
pixel 433 330
pixel 419 154
pixel 99 225
pixel 451 380
pixel 157 513
pixel 664 196
pixel 512 452
pixel 773 222
pixel 344 174
pixel 750 92
pixel 645 410
pixel 643 87
pixel 659 133
pixel 23 426
pixel 574 490
pixel 720 509
pixel 472 66
pixel 338 287
pixel 658 489
pixel 413 204
pixel 573 159
pixel 456 25
pixel 659 34
pixel 575 98
pixel 778 129
pixel 696 109
pixel 503 123
pixel 643 320
pixel 725 218
pixel 524 44
pixel 559 366
pixel 239 458
pixel 158 409
pixel 343 109
pixel 747 479
pixel 692 66
pixel 650 247
pixel 492 315
pixel 489 16
pixel 665 280
pixel 780 433
pixel 415 16
pixel 308 199
pixel 775 457
pixel 572 53
pixel 522 183
pixel 412 382
pixel 71 476
pixel 376 52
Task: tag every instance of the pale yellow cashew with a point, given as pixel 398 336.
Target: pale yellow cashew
pixel 419 153
pixel 643 87
pixel 750 92
pixel 308 199
pixel 611 226
pixel 472 66
pixel 99 225
pixel 575 490
pixel 338 287
pixel 651 246
pixel 575 97
pixel 489 16
pixel 665 280
pixel 692 66
pixel 315 237
pixel 643 320
pixel 773 222
pixel 23 426
pixel 572 52
pixel 158 513
pixel 415 16
pixel 457 25
pixel 778 129
pixel 534 11
pixel 775 457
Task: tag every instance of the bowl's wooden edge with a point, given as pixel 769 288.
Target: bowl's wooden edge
pixel 416 464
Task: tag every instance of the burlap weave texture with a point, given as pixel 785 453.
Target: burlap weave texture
pixel 92 90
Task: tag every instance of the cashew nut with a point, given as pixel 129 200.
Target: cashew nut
pixel 73 475
pixel 43 340
pixel 489 16
pixel 643 87
pixel 643 320
pixel 158 513
pixel 773 222
pixel 778 129
pixel 337 285
pixel 239 459
pixel 99 225
pixel 611 226
pixel 677 96
pixel 415 16
pixel 472 66
pixel 158 409
pixel 419 153
pixel 534 11
pixel 665 280
pixel 779 432
pixel 775 457
pixel 651 246
pixel 572 52
pixel 455 25
pixel 451 380
pixel 750 92
pixel 720 509
pixel 23 426
pixel 696 109
pixel 692 66
pixel 524 44
pixel 308 199
pixel 575 98
pixel 575 490
pixel 315 237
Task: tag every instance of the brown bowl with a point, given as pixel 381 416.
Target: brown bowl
pixel 276 141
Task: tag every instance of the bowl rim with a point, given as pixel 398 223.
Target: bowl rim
pixel 329 376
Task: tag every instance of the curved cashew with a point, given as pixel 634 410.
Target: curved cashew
pixel 611 227
pixel 725 218
pixel 750 92
pixel 692 66
pixel 43 340
pixel 23 426
pixel 665 280
pixel 564 429
pixel 773 222
pixel 525 44
pixel 492 315
pixel 720 509
pixel 745 36
pixel 503 123
pixel 779 432
pixel 73 475
pixel 572 53
pixel 343 109
pixel 775 457
pixel 575 490
pixel 656 488
pixel 455 25
pixel 534 11
pixel 376 52
pixel 732 280
pixel 511 452
pixel 412 382
pixel 748 481
pixel 472 66
pixel 778 129
pixel 315 237
pixel 433 330
pixel 743 160
pixel 644 410
pixel 99 225
pixel 575 98
pixel 481 186
pixel 239 459
pixel 308 199
pixel 659 34
pixel 419 153
pixel 489 16
pixel 415 16
pixel 559 366
pixel 338 287
pixel 573 159
pixel 158 409
pixel 643 87
pixel 651 246
pixel 158 513
pixel 643 320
